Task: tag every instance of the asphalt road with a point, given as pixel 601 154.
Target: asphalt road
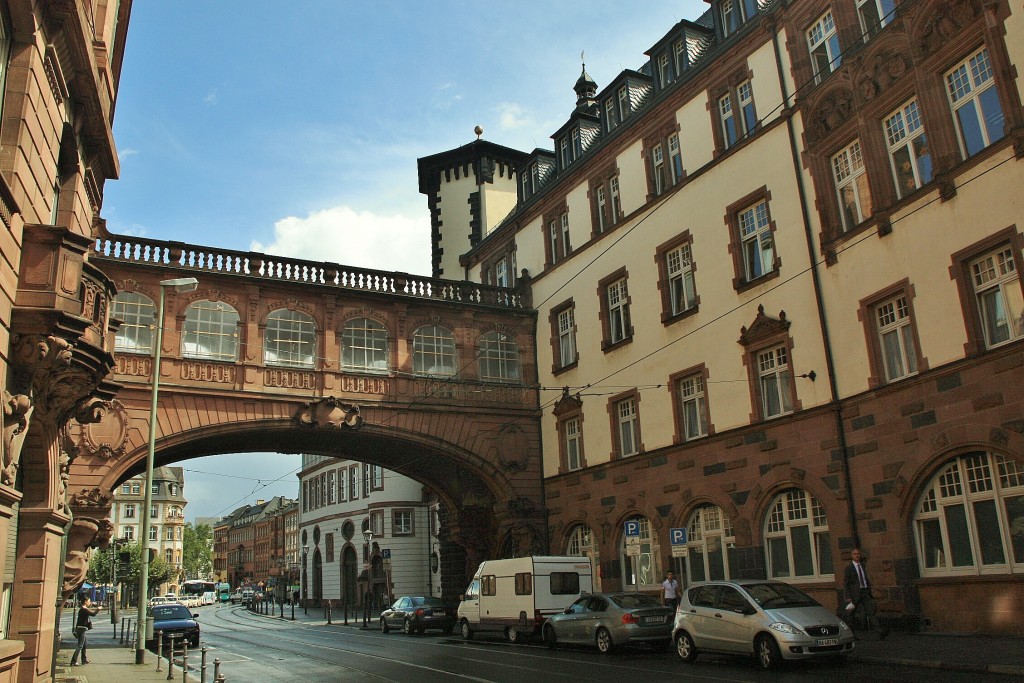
pixel 253 647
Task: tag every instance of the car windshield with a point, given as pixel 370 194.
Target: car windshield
pixel 429 602
pixel 163 612
pixel 777 595
pixel 635 600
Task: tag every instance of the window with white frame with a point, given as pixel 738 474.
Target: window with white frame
pixel 377 523
pixel 156 489
pixel 692 407
pixel 364 345
pixel 874 15
pixel 290 339
pixel 658 170
pixel 169 534
pixel 852 187
pixel 137 315
pixel 737 114
pixel 366 480
pixel 581 542
pixel 153 533
pixel 909 153
pixel 709 543
pixel 353 482
pixel 501 273
pixel 210 331
pixel 798 543
pixel 756 238
pixel 169 556
pixel 624 104
pixel 331 488
pixel 402 523
pixel 553 240
pixel 823 43
pixel 433 350
pixel 681 286
pixel 611 114
pixel 644 568
pixel 377 477
pixel 970 517
pixel 775 382
pixel 573 443
pixel 675 158
pixel 129 510
pixel 896 337
pixel 616 206
pixel 664 70
pixel 567 336
pixel 126 488
pixel 975 101
pixel 601 200
pixel 566 246
pixel 136 488
pixel 564 151
pixel 997 288
pixel 498 356
pixel 128 533
pixel 154 512
pixel 627 427
pixel 618 311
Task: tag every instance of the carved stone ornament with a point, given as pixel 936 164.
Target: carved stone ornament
pixel 567 403
pixel 84 534
pixel 525 540
pixel 329 412
pixel 102 429
pixel 17 411
pixel 513 447
pixel 88 502
pixel 763 327
pixel 947 21
pixel 881 71
pixel 833 110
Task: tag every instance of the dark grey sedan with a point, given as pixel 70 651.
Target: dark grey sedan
pixel 607 620
pixel 415 614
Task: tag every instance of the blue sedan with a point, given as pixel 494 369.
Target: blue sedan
pixel 174 619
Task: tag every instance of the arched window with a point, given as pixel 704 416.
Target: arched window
pixel 433 351
pixel 137 313
pixel 971 518
pixel 499 358
pixel 582 544
pixel 211 331
pixel 364 346
pixel 644 566
pixel 290 339
pixel 709 543
pixel 797 539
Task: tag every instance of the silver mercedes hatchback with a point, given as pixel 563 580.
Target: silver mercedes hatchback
pixel 769 619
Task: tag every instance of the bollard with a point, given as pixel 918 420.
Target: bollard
pixel 282 609
pixel 293 609
pixel 184 660
pixel 170 659
pixel 216 668
pixel 328 612
pixel 159 648
pixel 122 630
pixel 219 679
pixel 202 666
pixel 345 604
pixel 128 634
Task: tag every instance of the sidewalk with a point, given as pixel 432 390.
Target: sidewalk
pixel 111 662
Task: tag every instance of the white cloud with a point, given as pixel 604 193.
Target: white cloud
pixel 354 238
pixel 512 116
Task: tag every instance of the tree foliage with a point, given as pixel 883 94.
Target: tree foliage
pixel 197 551
pixel 100 567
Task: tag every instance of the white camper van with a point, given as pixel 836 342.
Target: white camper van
pixel 516 595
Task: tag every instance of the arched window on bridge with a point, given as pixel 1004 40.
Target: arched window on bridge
pixel 289 339
pixel 499 358
pixel 364 346
pixel 137 313
pixel 433 351
pixel 211 331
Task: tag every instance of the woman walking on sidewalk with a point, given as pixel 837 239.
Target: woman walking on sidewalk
pixel 83 622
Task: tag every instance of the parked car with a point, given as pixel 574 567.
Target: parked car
pixel 158 600
pixel 610 619
pixel 174 618
pixel 415 614
pixel 772 620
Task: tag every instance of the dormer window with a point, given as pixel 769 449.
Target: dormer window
pixel 664 71
pixel 680 55
pixel 734 13
pixel 611 114
pixel 624 106
pixel 577 148
pixel 563 149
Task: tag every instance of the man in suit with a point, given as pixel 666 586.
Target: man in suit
pixel 857 589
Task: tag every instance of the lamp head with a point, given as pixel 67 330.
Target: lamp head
pixel 368 536
pixel 181 284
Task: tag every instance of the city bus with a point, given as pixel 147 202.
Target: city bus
pixel 199 590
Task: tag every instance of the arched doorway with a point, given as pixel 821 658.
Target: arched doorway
pixel 318 577
pixel 349 575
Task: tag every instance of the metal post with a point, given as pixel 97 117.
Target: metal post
pixel 293 608
pixel 122 630
pixel 345 605
pixel 170 660
pixel 159 649
pixel 184 660
pixel 216 668
pixel 202 666
pixel 328 612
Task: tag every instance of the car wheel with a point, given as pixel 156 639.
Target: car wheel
pixel 767 650
pixel 407 627
pixel 467 632
pixel 603 639
pixel 384 625
pixel 512 635
pixel 549 635
pixel 685 648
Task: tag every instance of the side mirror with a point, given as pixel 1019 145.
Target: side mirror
pixel 195 616
pixel 567 610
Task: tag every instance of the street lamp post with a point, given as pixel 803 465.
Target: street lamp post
pixel 183 284
pixel 368 537
pixel 305 580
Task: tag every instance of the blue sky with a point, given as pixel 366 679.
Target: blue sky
pixel 293 128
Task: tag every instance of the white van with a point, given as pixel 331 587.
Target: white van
pixel 516 595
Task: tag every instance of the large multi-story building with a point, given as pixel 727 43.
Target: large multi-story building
pixel 249 543
pixel 777 277
pixel 166 517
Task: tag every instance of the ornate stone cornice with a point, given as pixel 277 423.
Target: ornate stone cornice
pixel 330 413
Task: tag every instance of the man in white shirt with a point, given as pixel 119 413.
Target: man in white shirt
pixel 670 590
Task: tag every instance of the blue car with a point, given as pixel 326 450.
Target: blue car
pixel 174 619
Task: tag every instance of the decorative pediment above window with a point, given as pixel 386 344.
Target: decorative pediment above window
pixel 763 327
pixel 945 22
pixel 879 71
pixel 567 404
pixel 832 111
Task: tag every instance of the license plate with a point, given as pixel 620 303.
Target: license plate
pixel 825 642
pixel 654 620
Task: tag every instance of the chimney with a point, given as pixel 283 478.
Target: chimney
pixel 260 502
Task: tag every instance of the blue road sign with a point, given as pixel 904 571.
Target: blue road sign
pixel 677 536
pixel 386 553
pixel 633 527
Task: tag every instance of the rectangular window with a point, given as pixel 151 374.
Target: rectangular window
pixel 658 171
pixel 748 115
pixel 564 150
pixel 488 585
pixel 567 337
pixel 342 485
pixel 618 311
pixel 852 186
pixel 524 583
pixel 975 102
pixel 625 412
pixel 126 488
pixel 895 334
pixel 501 273
pixel 613 190
pixel 823 42
pixel 756 238
pixel 128 533
pixel 566 247
pixel 679 56
pixel 664 73
pixel 402 523
pixel 730 133
pixel 675 158
pixel 611 116
pixel 332 488
pixel 129 510
pixel 553 240
pixel 731 19
pixel 576 146
pixel 692 408
pixel 602 207
pixel 156 489
pixel 353 482
pixel 737 124
pixel 377 523
pixel 776 382
pixel 874 14
pixel 565 583
pixel 1000 301
pixel 679 269
pixel 136 488
pixel 624 107
pixel 908 149
pixel 305 496
pixel 366 480
pixel 154 512
pixel 169 534
pixel 152 533
pixel 573 439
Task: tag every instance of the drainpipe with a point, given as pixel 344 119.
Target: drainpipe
pixel 834 403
